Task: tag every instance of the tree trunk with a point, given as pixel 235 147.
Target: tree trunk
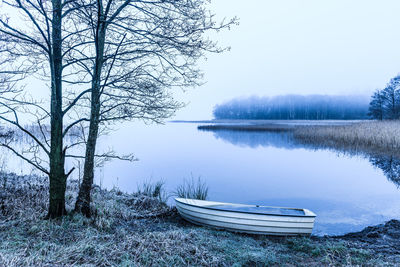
pixel 57 158
pixel 82 204
pixel 57 192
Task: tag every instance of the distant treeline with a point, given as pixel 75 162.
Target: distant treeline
pixel 295 107
pixel 385 103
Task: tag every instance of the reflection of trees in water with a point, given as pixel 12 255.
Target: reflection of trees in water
pixel 257 139
pixel 21 141
pixel 389 164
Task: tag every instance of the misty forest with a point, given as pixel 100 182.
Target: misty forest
pixel 383 104
pixel 294 107
pixel 199 133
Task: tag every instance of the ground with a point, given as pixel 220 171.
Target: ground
pixel 139 230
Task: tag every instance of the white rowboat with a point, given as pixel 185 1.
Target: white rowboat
pixel 252 219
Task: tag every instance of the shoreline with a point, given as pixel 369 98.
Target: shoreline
pixel 365 137
pixel 135 229
pixel 268 122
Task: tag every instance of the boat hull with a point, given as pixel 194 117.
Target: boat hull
pixel 202 213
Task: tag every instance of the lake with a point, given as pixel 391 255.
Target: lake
pixel 346 192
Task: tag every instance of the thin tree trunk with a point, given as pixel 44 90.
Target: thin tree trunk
pixel 82 204
pixel 57 158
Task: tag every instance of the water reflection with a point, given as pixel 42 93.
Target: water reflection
pixel 389 164
pixel 26 146
pixel 257 139
pixel 358 198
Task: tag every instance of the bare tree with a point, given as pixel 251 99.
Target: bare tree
pixel 391 93
pixel 377 105
pixel 32 38
pixel 385 104
pixel 105 62
pixel 135 52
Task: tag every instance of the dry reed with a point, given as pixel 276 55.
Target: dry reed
pixel 193 189
pixel 377 137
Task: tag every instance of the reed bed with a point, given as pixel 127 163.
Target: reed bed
pixel 377 137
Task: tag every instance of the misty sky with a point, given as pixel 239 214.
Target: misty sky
pixel 299 47
pixel 295 47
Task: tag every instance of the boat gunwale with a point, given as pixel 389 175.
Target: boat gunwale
pixel 246 212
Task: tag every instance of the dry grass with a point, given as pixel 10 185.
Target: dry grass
pixel 137 230
pixel 194 189
pixel 378 137
pixel 154 190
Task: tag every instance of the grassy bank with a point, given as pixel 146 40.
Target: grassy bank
pixel 139 230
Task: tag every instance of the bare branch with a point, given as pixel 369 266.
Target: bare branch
pixel 25 158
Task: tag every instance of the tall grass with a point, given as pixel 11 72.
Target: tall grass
pixel 370 136
pixel 153 189
pixel 194 189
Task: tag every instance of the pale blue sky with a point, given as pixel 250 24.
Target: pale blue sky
pixel 299 47
pixel 296 47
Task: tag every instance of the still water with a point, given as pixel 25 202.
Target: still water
pixel 346 192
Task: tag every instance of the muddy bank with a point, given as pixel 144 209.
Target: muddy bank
pixel 139 230
pixel 383 238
